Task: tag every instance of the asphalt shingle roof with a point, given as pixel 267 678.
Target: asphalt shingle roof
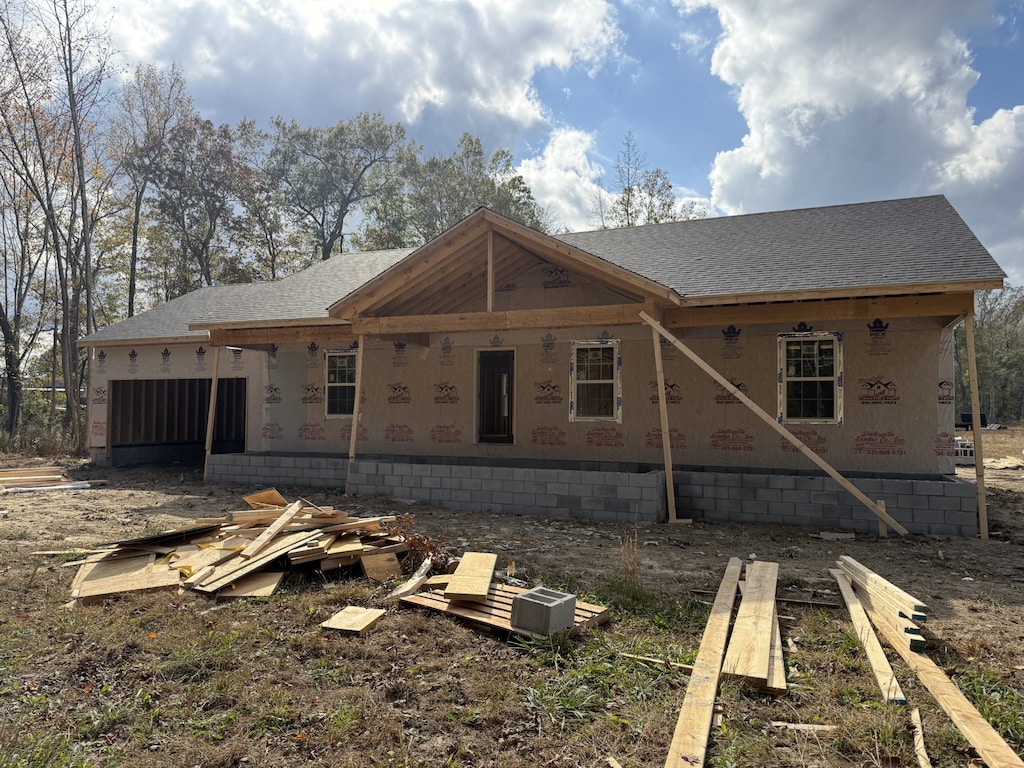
pixel 896 242
pixel 913 241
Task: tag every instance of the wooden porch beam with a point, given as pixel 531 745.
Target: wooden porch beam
pixel 949 304
pixel 249 337
pixel 614 314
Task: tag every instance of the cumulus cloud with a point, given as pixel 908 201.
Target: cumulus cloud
pixel 566 179
pixel 414 62
pixel 848 101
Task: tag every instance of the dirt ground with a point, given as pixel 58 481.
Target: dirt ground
pixel 975 589
pixel 948 573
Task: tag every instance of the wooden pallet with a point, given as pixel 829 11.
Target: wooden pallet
pixel 496 610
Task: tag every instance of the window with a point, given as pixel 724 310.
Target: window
pixel 341 383
pixel 594 381
pixel 811 378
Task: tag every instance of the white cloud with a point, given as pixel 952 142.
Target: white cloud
pixel 407 58
pixel 848 101
pixel 565 178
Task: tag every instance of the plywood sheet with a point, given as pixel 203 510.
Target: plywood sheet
pixel 381 567
pixel 354 619
pixel 472 578
pixel 262 584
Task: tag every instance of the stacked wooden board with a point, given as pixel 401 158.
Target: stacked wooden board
pixel 25 479
pixel 892 610
pixel 239 552
pixel 885 602
pixel 470 594
pixel 754 653
pixel 755 646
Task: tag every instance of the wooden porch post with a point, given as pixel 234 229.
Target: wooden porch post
pixel 666 440
pixel 355 406
pixel 771 422
pixel 212 411
pixel 979 459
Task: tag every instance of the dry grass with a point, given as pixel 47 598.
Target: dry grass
pixel 166 680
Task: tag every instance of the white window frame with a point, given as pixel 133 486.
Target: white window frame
pixel 784 376
pixel 616 381
pixel 351 353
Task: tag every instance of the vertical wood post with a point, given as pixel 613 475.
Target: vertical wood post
pixel 979 459
pixel 211 414
pixel 355 404
pixel 666 439
pixel 490 269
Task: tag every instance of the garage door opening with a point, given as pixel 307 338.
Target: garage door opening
pixel 157 420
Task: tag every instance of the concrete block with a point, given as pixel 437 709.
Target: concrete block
pixel 928 488
pixel 754 481
pixel 910 501
pixel 742 493
pixel 768 494
pixel 782 482
pixel 543 611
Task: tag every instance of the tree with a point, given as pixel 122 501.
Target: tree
pixel 439 192
pixel 266 225
pixel 54 69
pixel 197 181
pixel 999 344
pixel 326 173
pixel 641 195
pixel 152 103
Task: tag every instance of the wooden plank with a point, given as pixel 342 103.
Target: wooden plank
pixel 381 567
pixel 975 728
pixel 262 584
pixel 979 459
pixel 774 424
pixel 354 619
pixel 472 578
pixel 413 585
pixel 923 761
pixel 237 568
pixel 30 472
pixel 911 633
pixel 659 662
pixel 690 738
pixel 128 575
pixel 749 653
pixel 776 682
pixel 196 561
pixel 272 530
pixel 880 666
pixel 269 497
pixel 861 574
pixel 211 413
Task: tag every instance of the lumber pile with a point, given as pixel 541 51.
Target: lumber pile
pixel 755 645
pixel 887 603
pixel 240 553
pixel 753 653
pixel 892 610
pixel 28 479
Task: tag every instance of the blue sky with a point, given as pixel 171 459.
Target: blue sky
pixel 749 105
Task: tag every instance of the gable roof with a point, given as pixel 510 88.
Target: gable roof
pixel 911 245
pixel 895 243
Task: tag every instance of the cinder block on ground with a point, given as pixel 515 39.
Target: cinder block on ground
pixel 543 611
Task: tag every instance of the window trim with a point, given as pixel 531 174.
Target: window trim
pixel 327 385
pixel 837 377
pixel 616 382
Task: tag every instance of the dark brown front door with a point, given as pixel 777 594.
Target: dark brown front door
pixel 494 396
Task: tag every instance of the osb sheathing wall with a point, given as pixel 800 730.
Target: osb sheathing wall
pixel 170 361
pixel 421 400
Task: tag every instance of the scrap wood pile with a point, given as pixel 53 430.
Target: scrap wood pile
pixel 243 552
pixel 247 553
pixel 752 651
pixel 28 479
